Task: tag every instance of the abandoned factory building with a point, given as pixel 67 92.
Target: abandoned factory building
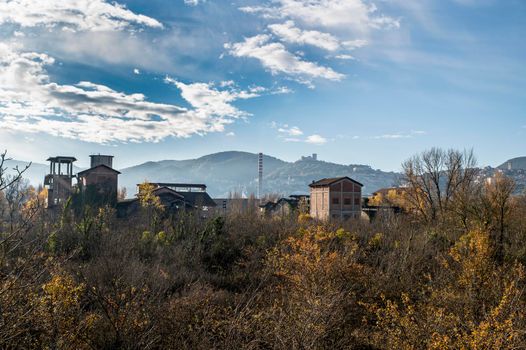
pixel 336 198
pixel 173 197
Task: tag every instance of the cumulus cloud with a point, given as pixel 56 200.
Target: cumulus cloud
pixel 81 15
pixel 354 14
pixel 316 139
pixel 275 57
pixel 326 24
pixel 136 71
pixel 207 100
pixel 31 102
pixel 289 33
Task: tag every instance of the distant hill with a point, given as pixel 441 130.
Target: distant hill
pixel 518 163
pixel 228 172
pixel 237 172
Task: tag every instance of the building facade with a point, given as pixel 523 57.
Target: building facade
pixel 336 199
pixel 99 185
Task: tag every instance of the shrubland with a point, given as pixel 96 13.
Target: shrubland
pixel 448 273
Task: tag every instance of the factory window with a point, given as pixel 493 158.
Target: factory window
pixel 357 201
pixel 347 201
pixel 336 200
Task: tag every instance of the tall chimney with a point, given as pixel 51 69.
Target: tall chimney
pixel 260 175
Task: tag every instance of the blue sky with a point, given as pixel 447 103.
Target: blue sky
pixel 356 81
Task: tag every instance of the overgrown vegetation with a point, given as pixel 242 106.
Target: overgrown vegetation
pixel 447 274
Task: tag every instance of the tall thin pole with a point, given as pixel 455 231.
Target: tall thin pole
pixel 260 175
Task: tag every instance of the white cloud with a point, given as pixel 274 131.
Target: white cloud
pixel 316 139
pixel 136 71
pixel 327 24
pixel 356 15
pixel 344 57
pixel 230 134
pixel 282 90
pixel 289 33
pixel 227 83
pixel 294 134
pixel 31 102
pixel 275 57
pixel 395 136
pixel 291 131
pixel 354 44
pixel 193 2
pixel 207 100
pixel 81 15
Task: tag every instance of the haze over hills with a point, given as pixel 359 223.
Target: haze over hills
pixel 228 172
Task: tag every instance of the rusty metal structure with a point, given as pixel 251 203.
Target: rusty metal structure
pixel 59 181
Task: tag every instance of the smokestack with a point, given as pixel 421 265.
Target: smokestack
pixel 260 175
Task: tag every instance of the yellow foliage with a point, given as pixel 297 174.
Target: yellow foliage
pixel 474 252
pixel 59 310
pixel 147 198
pixel 316 269
pixel 376 240
pixel 469 311
pixel 304 218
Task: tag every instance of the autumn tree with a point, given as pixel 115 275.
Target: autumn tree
pixel 151 205
pixel 436 178
pixel 496 203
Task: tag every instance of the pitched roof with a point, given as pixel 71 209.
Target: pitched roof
pixel 164 189
pixel 198 199
pixel 332 180
pixel 98 166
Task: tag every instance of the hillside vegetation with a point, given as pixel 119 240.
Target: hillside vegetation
pixel 447 274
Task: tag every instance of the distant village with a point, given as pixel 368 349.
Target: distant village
pixel 337 198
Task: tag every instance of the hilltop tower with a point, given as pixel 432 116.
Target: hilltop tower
pixel 59 180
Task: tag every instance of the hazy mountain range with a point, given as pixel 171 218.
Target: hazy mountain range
pixel 228 172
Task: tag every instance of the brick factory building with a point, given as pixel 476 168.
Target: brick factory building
pixel 337 198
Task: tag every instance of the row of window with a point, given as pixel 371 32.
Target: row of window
pixel 346 201
pixel 346 216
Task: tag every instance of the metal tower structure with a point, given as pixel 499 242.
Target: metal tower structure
pixel 59 180
pixel 260 175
